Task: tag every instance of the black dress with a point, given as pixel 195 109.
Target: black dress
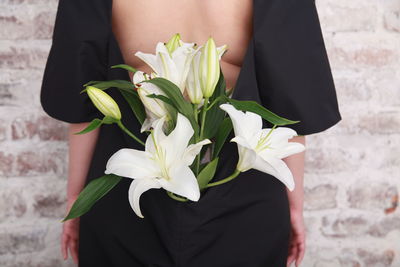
pixel 245 222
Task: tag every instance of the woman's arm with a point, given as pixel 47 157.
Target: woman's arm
pixel 296 165
pixel 296 198
pixel 81 148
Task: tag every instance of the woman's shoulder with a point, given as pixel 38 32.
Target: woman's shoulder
pixel 78 54
pixel 78 20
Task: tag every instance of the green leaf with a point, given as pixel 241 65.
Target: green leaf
pixel 120 84
pixel 220 88
pixel 135 103
pixel 161 97
pixel 95 190
pixel 207 173
pixel 90 83
pixel 125 67
pixel 215 115
pixel 222 134
pixel 175 95
pixel 260 110
pixel 94 124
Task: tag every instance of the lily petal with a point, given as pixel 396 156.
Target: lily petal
pixel 153 104
pixel 247 158
pixel 149 59
pixel 149 121
pixel 193 81
pixel 192 150
pixel 167 68
pixel 242 141
pixel 184 44
pixel 254 122
pixel 182 182
pixel 244 124
pixel 138 77
pixel 282 134
pixel 132 163
pixel 221 50
pixel 182 61
pixel 277 168
pixel 161 48
pixel 158 133
pixel 177 141
pixel 146 124
pixel 290 149
pixel 136 189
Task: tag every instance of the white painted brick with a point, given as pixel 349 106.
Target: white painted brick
pixel 352 170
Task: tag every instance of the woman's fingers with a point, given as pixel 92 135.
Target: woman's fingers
pixel 300 252
pixel 64 245
pixel 292 254
pixel 74 249
pixel 297 249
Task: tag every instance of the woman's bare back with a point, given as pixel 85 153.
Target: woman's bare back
pixel 139 24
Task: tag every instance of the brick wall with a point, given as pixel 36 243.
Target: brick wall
pixel 352 178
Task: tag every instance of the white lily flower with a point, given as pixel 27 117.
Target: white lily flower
pixel 262 149
pixel 171 66
pixel 155 108
pixel 103 102
pixel 164 163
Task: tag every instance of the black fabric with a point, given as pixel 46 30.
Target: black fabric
pixel 286 68
pixel 245 222
pixel 78 54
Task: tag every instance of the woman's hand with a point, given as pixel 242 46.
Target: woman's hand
pixel 296 198
pixel 70 236
pixel 297 239
pixel 81 149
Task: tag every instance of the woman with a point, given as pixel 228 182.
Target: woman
pixel 276 56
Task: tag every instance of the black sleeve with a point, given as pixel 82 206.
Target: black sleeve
pixel 293 72
pixel 78 54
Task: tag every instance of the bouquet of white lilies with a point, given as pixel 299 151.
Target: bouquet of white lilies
pixel 182 105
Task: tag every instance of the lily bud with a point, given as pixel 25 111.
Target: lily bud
pixel 209 68
pixel 103 102
pixel 173 43
pixel 193 83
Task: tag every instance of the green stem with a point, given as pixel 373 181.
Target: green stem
pixel 195 107
pixel 196 116
pixel 203 117
pixel 176 197
pixel 197 164
pixel 227 179
pixel 119 123
pixel 214 102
